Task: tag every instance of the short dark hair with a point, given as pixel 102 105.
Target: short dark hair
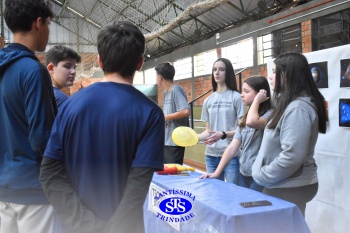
pixel 230 79
pixel 60 53
pixel 120 45
pixel 166 70
pixel 20 14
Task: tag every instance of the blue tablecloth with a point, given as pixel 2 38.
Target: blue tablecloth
pixel 216 208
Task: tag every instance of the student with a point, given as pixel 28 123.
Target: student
pixel 106 142
pixel 255 95
pixel 27 111
pixel 176 111
pixel 285 165
pixel 221 112
pixel 61 63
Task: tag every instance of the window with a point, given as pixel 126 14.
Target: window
pixel 183 68
pixel 331 30
pixel 150 76
pixel 240 54
pixel 138 78
pixel 264 48
pixel 203 62
pixel 286 40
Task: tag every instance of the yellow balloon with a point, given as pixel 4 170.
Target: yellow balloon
pixel 184 136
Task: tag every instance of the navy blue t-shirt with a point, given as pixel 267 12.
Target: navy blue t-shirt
pixel 100 133
pixel 60 97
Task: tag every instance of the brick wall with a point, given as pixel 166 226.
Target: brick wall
pixel 81 83
pixel 88 60
pixel 41 57
pixel 262 70
pixel 201 84
pixel 306 36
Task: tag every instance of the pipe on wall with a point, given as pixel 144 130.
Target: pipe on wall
pixel 279 23
pixel 297 12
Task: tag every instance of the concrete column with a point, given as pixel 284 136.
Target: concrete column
pixel 1 42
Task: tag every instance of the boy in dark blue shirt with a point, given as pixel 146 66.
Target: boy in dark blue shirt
pixel 106 143
pixel 61 63
pixel 27 112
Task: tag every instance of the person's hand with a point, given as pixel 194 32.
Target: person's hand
pixel 213 137
pixel 261 96
pixel 166 118
pixel 208 175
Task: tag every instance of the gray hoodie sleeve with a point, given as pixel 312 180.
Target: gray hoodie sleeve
pixel 284 148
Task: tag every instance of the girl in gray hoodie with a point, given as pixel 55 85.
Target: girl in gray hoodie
pixel 285 165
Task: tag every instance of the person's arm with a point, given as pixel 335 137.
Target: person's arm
pixel 253 119
pixel 205 134
pixel 74 215
pixel 240 109
pixel 228 155
pixel 295 132
pixel 178 115
pixel 181 105
pixel 217 135
pixel 127 218
pixel 40 108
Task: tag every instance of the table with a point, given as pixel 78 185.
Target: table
pixel 216 209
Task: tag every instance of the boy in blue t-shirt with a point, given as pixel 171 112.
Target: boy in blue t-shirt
pixel 61 63
pixel 106 143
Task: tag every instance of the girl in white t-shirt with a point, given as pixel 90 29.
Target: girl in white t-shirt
pixel 221 112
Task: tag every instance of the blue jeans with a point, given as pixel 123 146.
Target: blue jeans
pixel 231 171
pixel 248 182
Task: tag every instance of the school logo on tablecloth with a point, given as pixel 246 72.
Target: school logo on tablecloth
pixel 172 206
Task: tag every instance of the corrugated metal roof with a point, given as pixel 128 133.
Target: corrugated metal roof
pixel 153 15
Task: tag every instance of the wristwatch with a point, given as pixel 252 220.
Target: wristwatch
pixel 224 135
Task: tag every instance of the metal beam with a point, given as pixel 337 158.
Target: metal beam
pixel 70 30
pixel 88 20
pixel 92 9
pixel 242 11
pixel 160 9
pixel 193 17
pixel 242 7
pixel 63 6
pixel 138 24
pixel 117 16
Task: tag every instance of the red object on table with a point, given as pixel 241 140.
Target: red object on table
pixel 168 171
